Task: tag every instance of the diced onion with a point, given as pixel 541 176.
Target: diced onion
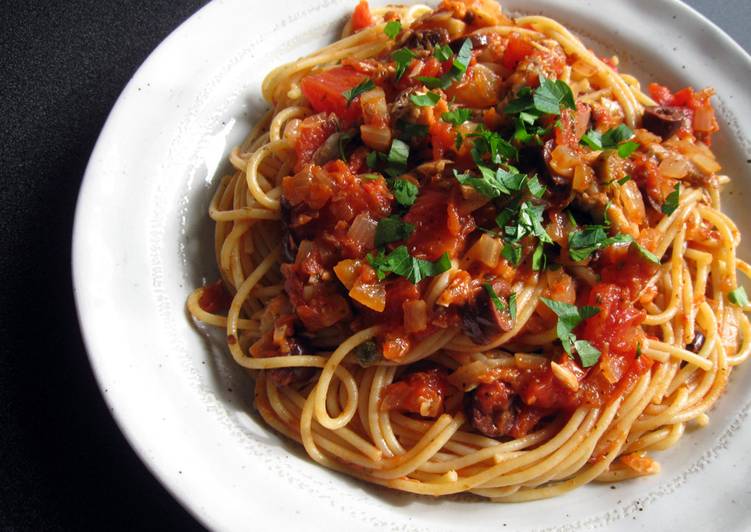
pixel 292 130
pixel 372 295
pixel 486 250
pixel 565 376
pixel 583 176
pixel 562 160
pixel 527 361
pixel 706 164
pixel 632 202
pixel 362 231
pixel 674 167
pixel 374 107
pixel 456 28
pixel 347 271
pixel 704 119
pixel 376 137
pixel 415 315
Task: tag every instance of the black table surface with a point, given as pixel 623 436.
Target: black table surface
pixel 64 465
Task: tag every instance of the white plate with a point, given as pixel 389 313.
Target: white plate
pixel 143 240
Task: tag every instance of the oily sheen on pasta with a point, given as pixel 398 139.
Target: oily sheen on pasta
pixel 463 253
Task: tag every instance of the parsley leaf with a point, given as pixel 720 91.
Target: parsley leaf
pixel 512 306
pixel 489 142
pixel 651 257
pixel 494 297
pixel 428 99
pixel 458 68
pixel 627 148
pixel 512 252
pixel 523 102
pixel 342 143
pixel 582 243
pixel 672 201
pixel 569 316
pixel 370 177
pixel 738 297
pixel 400 262
pixel 405 192
pixel 443 52
pixel 492 184
pixel 539 260
pixel 392 28
pixel 535 187
pixel 530 220
pixel 457 116
pixel 403 57
pixel 552 95
pixel 392 229
pixel 588 354
pixel 612 139
pixel 398 153
pixel 354 92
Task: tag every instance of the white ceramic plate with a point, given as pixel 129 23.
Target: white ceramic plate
pixel 143 240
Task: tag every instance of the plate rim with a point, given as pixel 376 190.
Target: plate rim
pixel 79 256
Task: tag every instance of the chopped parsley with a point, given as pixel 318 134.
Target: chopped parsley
pixel 392 229
pixel 457 117
pixel 548 98
pixel 400 262
pixel 535 187
pixel 493 184
pixel 443 52
pixel 522 221
pixel 616 138
pixel 405 192
pixel 458 68
pixel 494 297
pixel 492 144
pixel 398 153
pixel 651 257
pixel 354 92
pixel 569 316
pixel 429 99
pixel 738 297
pixel 392 29
pixel 402 57
pixel 584 242
pixel 512 252
pixel 512 306
pixel 539 259
pixel 672 201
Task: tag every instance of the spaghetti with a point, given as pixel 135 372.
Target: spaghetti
pixel 464 253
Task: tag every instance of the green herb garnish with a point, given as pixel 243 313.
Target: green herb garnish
pixel 392 28
pixel 569 316
pixel 354 92
pixel 392 229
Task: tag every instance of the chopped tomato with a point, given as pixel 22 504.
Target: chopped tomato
pixel 518 48
pixel 314 131
pixel 661 94
pixel 615 328
pixel 442 137
pixel 439 228
pixel 214 297
pixel 419 393
pixel 324 90
pixel 361 17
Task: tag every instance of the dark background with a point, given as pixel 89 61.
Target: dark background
pixel 63 463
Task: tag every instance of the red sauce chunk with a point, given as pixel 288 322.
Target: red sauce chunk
pixel 420 393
